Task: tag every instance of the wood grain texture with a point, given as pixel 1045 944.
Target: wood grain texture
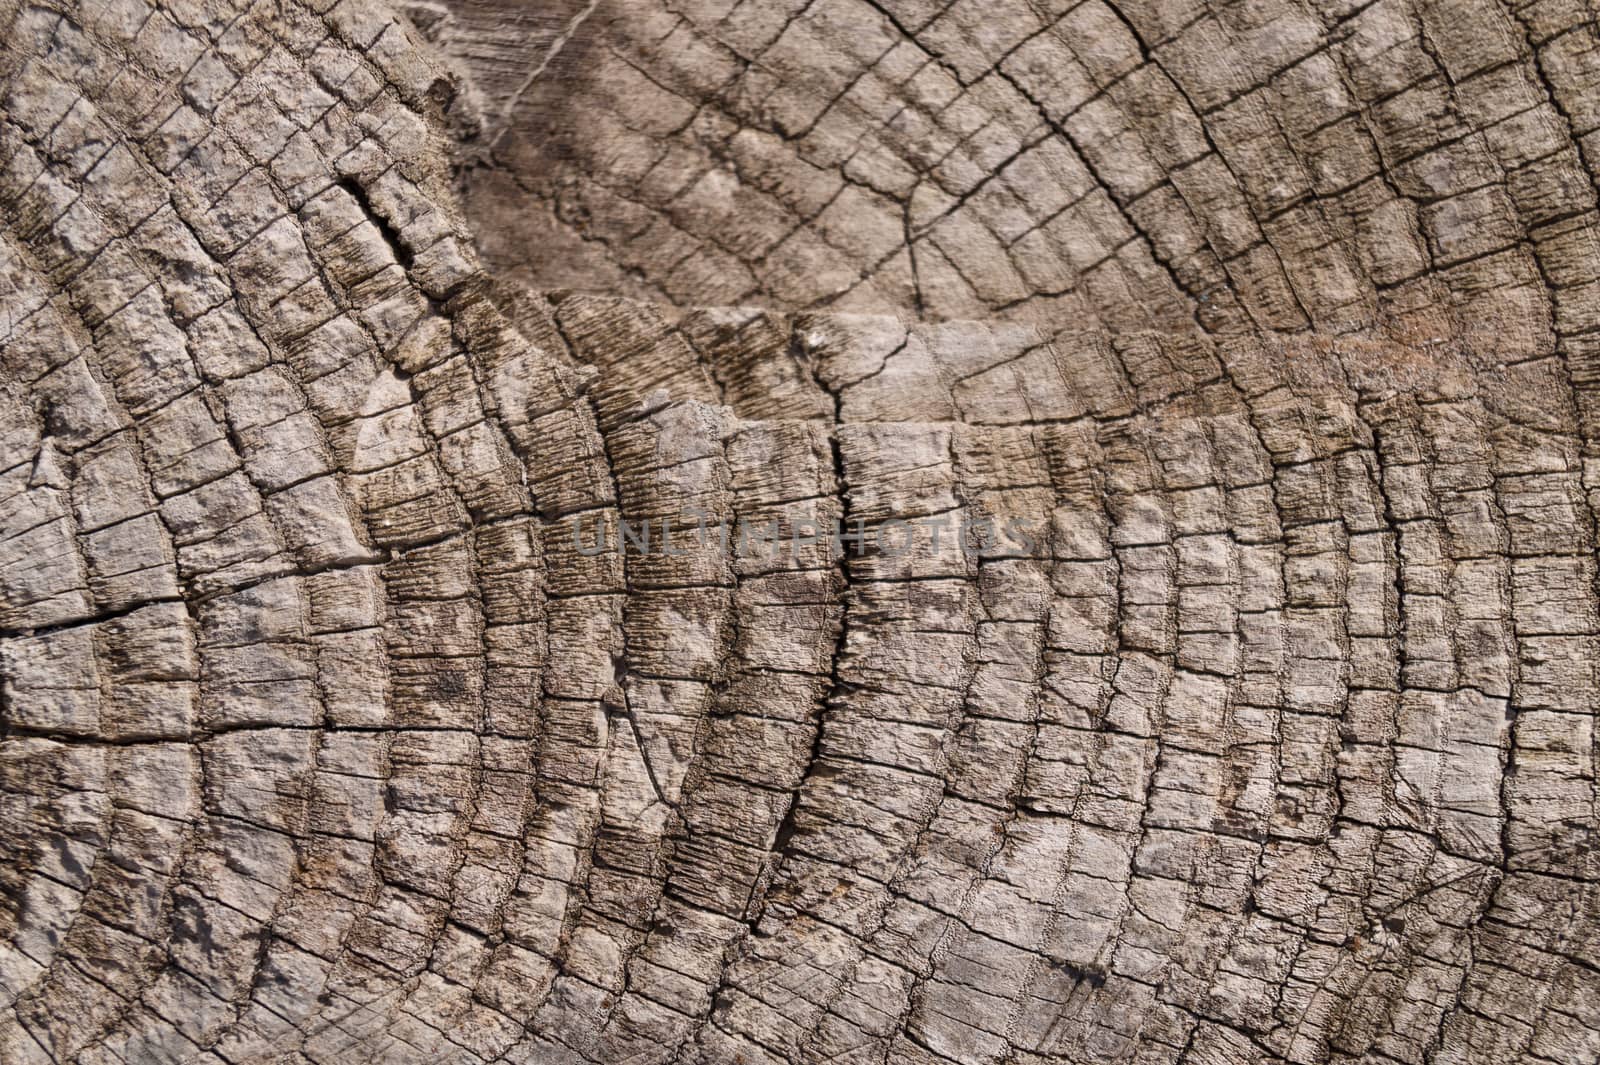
pixel 1135 164
pixel 324 742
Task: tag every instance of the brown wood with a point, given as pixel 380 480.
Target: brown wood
pixel 322 325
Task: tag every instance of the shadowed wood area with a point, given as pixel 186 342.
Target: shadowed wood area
pixel 332 334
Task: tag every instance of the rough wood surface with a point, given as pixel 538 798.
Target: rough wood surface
pixel 1136 164
pixel 325 741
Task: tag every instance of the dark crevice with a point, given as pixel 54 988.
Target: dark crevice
pixel 391 235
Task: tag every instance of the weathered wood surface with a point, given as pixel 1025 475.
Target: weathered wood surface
pixel 324 742
pixel 1130 163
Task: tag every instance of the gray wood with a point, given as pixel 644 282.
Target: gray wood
pixel 324 740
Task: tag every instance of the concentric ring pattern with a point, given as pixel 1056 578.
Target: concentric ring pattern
pixel 327 740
